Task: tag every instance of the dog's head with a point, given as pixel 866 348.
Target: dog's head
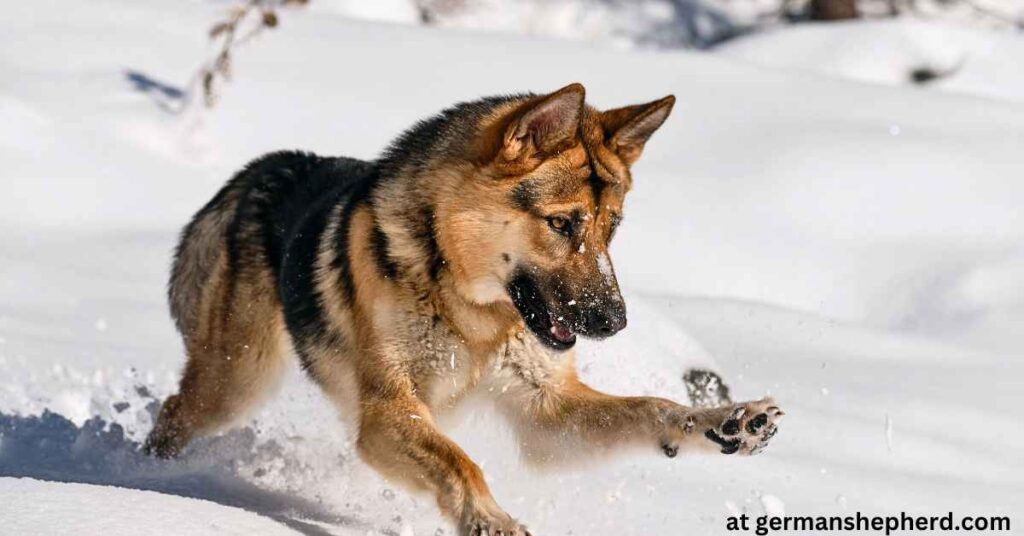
pixel 540 207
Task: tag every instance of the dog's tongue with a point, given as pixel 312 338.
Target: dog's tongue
pixel 561 331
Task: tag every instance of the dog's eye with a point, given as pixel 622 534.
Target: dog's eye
pixel 561 225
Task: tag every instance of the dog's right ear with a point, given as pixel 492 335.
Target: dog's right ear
pixel 544 124
pixel 631 127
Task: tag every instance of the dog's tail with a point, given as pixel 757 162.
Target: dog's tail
pixel 202 246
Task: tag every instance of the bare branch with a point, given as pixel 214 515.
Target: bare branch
pixel 243 22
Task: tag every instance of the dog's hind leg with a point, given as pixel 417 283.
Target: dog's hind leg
pixel 236 357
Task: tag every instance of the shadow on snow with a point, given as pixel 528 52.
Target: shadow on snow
pixel 51 447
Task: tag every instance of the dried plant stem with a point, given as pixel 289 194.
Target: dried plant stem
pixel 229 34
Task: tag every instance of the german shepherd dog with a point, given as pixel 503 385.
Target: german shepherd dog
pixel 468 257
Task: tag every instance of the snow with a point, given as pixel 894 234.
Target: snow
pixel 773 506
pixel 619 24
pixel 971 61
pixel 799 234
pixel 629 24
pixel 46 508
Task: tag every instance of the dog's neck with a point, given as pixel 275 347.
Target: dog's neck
pixel 407 253
pixel 483 328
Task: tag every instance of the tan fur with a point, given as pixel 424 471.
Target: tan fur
pixel 236 358
pixel 406 348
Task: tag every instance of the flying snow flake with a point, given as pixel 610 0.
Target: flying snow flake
pixel 415 417
pixel 452 363
pixel 824 391
pixel 582 248
pixel 615 495
pixel 888 432
pixel 604 265
pixel 571 302
pixel 773 506
pixel 101 324
pixel 894 130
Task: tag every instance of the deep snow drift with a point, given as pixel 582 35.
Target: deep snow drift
pixel 853 249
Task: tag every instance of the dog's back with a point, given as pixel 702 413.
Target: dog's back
pixel 254 215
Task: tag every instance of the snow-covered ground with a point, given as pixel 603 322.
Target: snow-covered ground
pixel 857 250
pixel 55 509
pixel 969 61
pixel 661 23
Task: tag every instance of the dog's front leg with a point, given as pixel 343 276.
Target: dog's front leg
pixel 561 415
pixel 398 437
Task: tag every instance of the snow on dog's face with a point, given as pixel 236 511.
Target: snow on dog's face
pixel 535 230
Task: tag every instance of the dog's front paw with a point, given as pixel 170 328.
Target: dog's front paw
pixel 481 523
pixel 747 428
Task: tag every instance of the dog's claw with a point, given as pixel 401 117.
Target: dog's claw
pixel 492 526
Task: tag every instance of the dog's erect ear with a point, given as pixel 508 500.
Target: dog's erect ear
pixel 544 125
pixel 629 128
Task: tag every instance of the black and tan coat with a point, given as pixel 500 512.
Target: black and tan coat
pixel 467 258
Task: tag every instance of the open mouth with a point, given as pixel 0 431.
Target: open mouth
pixel 552 331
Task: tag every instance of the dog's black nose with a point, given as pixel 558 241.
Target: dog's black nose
pixel 605 322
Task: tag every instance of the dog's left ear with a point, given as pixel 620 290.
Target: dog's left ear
pixel 629 128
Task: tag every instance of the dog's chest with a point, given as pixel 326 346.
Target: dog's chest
pixel 443 367
pixel 448 369
pixel 453 371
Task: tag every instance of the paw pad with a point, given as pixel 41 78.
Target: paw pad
pixel 729 446
pixel 747 435
pixel 757 422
